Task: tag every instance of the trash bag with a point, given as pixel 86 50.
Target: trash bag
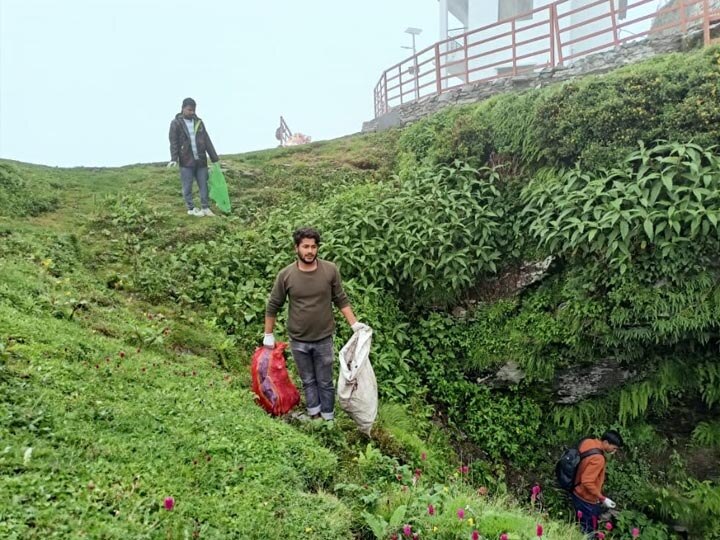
pixel 271 382
pixel 357 387
pixel 218 188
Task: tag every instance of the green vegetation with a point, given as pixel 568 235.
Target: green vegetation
pixel 127 327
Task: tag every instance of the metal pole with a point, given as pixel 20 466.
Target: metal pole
pixel 614 23
pixel 683 16
pixel 551 34
pixel 438 76
pixel 415 68
pixel 706 22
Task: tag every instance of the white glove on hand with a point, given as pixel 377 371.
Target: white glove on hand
pixel 357 326
pixel 269 341
pixel 609 503
pixel 171 164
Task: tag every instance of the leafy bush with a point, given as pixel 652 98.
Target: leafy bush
pixel 666 200
pixel 595 120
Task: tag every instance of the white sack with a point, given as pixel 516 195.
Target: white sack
pixel 357 387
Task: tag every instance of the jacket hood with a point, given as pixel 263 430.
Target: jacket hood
pixel 179 115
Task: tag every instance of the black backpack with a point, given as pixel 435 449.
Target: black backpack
pixel 566 468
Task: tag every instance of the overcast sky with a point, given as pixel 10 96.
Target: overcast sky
pixel 97 82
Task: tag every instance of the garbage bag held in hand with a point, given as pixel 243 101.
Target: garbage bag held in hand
pixel 218 188
pixel 357 387
pixel 271 382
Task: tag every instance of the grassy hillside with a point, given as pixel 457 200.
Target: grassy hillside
pixel 127 327
pixel 114 400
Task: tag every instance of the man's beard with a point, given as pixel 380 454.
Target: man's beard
pixel 304 259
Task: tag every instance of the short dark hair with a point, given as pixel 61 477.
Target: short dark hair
pixel 613 437
pixel 188 101
pixel 306 232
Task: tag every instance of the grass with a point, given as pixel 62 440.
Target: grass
pixel 112 403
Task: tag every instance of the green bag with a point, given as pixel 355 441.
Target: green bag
pixel 218 189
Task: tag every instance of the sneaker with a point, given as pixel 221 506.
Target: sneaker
pixel 195 212
pixel 207 212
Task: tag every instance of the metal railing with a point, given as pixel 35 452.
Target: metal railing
pixel 548 36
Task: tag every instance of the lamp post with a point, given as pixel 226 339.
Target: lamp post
pixel 414 32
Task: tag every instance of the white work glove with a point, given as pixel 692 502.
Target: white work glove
pixel 357 326
pixel 171 164
pixel 269 341
pixel 609 503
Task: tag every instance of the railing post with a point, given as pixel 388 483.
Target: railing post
pixel 613 18
pixel 386 103
pixel 417 78
pixel 551 33
pixel 438 71
pixel 706 22
pixel 400 82
pixel 514 51
pixel 467 65
pixel 558 41
pixel 683 16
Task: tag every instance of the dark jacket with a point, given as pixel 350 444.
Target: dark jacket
pixel 180 148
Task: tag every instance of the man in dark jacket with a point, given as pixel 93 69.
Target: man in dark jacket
pixel 189 144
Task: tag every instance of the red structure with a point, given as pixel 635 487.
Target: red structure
pixel 549 38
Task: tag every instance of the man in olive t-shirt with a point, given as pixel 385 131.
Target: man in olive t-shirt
pixel 313 286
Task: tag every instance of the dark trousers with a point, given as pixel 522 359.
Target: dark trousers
pixel 590 514
pixel 314 360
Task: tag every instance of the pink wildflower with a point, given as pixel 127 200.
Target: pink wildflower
pixel 504 536
pixel 579 514
pixel 539 530
pixel 461 513
pixel 169 503
pixel 600 535
pixel 609 526
pixel 463 469
pixel 536 490
pixel 423 456
pixel 418 473
pixel 475 535
pixel 635 532
pixel 407 530
pixel 431 509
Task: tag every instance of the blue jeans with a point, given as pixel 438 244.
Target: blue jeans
pixel 187 175
pixel 314 360
pixel 590 514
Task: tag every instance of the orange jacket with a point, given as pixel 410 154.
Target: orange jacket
pixel 590 475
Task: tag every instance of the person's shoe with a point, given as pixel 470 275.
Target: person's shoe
pixel 207 212
pixel 195 212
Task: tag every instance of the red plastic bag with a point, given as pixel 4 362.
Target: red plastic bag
pixel 271 382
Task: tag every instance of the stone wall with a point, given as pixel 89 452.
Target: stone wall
pixel 593 64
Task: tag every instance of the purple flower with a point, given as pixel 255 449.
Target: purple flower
pixel 460 513
pixel 431 509
pixel 635 532
pixel 504 536
pixel 579 514
pixel 539 530
pixel 407 530
pixel 609 526
pixel 169 503
pixel 475 535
